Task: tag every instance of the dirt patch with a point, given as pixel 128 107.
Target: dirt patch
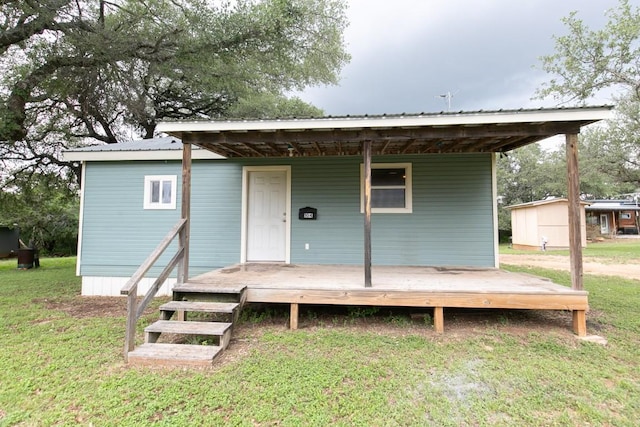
pixel 630 270
pixel 84 307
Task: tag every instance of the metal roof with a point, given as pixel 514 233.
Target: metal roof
pixel 166 148
pixel 613 205
pixel 460 132
pixel 542 202
pixel 165 143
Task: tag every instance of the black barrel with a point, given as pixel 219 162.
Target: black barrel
pixel 26 258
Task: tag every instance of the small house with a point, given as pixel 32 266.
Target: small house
pixel 353 210
pixel 606 218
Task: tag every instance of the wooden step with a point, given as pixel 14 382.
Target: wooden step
pixel 208 288
pixel 194 291
pixel 216 329
pixel 173 355
pixel 183 307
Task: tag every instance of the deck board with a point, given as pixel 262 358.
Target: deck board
pixel 173 355
pixel 396 286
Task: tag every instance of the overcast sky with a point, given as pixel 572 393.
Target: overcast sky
pixel 485 53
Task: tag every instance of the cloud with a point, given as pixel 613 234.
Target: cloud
pixel 406 53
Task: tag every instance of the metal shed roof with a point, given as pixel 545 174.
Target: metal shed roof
pixel 460 132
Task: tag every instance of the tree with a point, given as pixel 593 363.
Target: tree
pixel 45 208
pixel 525 175
pixel 591 62
pixel 531 173
pixel 76 72
pixel 97 70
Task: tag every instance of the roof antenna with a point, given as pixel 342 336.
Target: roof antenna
pixel 447 96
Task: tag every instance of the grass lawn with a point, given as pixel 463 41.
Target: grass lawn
pixel 61 364
pixel 618 251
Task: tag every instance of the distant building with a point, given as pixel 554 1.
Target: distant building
pixel 543 224
pixel 612 217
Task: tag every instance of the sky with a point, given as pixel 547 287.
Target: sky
pixel 407 55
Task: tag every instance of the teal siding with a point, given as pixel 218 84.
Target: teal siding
pixel 451 223
pixel 117 232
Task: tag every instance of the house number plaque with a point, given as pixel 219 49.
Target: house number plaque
pixel 308 213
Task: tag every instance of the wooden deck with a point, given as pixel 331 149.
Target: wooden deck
pixel 394 286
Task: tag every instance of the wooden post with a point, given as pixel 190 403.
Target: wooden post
pixel 575 234
pixel 366 152
pixel 132 308
pixel 293 317
pixel 580 322
pixel 183 267
pixel 614 227
pixel 438 319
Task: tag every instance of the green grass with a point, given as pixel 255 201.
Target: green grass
pixel 62 369
pixel 618 251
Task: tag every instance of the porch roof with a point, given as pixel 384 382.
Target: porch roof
pixel 460 132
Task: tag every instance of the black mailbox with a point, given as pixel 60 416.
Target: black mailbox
pixel 308 213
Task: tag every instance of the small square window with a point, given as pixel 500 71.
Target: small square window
pixel 160 192
pixel 390 188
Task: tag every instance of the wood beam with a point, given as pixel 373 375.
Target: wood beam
pixel 183 237
pixel 366 148
pixel 575 232
pixel 293 317
pixel 399 135
pixel 580 322
pixel 438 319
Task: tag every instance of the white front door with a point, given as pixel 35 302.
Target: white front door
pixel 267 216
pixel 604 224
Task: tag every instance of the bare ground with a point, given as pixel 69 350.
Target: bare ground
pixel 459 324
pixel 628 270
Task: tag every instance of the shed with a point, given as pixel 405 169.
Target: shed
pixel 544 221
pixel 9 241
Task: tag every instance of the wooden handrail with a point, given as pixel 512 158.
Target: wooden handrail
pixel 130 289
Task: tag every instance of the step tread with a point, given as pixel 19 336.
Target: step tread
pixel 207 288
pixel 202 306
pixel 188 328
pixel 174 354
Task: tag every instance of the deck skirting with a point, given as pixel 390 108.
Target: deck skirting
pixel 416 298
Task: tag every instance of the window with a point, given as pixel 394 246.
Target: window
pixel 625 215
pixel 390 188
pixel 160 192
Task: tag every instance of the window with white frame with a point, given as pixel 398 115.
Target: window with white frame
pixel 390 188
pixel 160 191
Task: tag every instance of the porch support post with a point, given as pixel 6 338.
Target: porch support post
pixel 366 152
pixel 438 319
pixel 183 237
pixel 575 233
pixel 293 317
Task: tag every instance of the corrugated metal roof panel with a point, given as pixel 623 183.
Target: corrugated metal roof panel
pixel 166 143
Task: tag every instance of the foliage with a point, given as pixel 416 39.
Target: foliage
pixel 97 70
pixel 62 365
pixel 531 173
pixel 45 209
pixel 525 175
pixel 77 72
pixel 587 63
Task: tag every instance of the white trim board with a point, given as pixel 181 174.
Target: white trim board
pixel 110 286
pixel 363 122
